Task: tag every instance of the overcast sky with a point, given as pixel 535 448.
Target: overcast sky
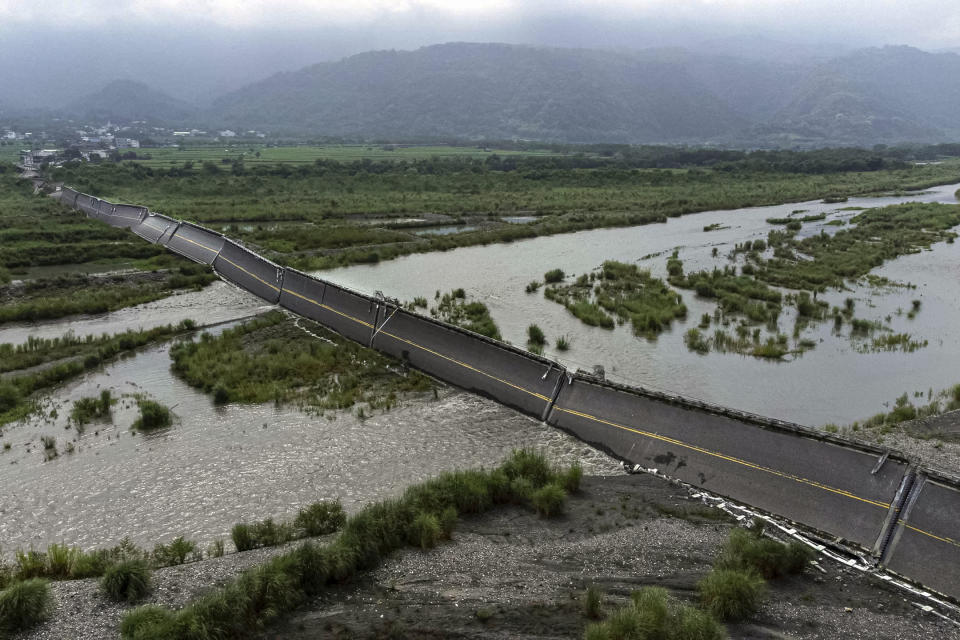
pixel 930 23
pixel 198 49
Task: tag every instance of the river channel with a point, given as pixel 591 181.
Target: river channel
pixel 220 465
pixel 833 383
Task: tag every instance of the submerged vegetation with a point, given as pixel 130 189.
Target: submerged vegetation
pixel 153 415
pixel 810 266
pixel 270 359
pixel 68 357
pixel 904 410
pixel 88 409
pixel 623 291
pixel 474 316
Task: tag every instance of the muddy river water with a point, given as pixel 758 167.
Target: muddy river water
pixel 831 383
pixel 220 465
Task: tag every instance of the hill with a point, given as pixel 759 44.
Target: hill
pixel 487 91
pixel 888 94
pixel 127 100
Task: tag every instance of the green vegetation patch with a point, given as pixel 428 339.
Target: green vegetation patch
pixel 65 295
pixel 623 291
pixel 24 605
pixel 565 193
pixel 904 410
pixel 472 315
pixel 127 581
pixel 317 519
pixel 90 408
pixel 654 615
pixel 68 357
pixel 873 237
pixel 153 416
pixel 271 359
pixel 423 515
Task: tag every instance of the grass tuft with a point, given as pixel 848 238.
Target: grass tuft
pixel 24 605
pixel 592 601
pixel 732 594
pixel 127 581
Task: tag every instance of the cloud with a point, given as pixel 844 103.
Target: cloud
pixel 930 22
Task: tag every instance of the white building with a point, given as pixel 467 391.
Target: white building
pixel 226 133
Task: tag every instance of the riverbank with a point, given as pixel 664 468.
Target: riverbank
pixel 513 574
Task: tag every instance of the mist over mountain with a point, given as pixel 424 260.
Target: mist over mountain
pixel 127 101
pixel 875 95
pixel 487 91
pixel 888 93
pixel 494 91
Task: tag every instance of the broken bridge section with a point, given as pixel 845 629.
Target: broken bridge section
pixel 869 497
pixel 780 468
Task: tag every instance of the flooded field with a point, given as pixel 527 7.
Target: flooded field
pixel 831 383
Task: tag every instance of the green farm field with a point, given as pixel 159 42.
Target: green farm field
pixel 268 155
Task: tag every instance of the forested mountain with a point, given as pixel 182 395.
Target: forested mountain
pixel 490 91
pixel 876 95
pixel 888 94
pixel 496 91
pixel 127 100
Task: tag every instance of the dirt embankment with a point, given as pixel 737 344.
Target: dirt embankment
pixel 510 574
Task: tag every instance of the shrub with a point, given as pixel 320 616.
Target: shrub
pixel 529 464
pixel 425 531
pixel 535 336
pixel 448 521
pixel 215 550
pixel 532 286
pixel 60 560
pixel 548 500
pixel 592 601
pixel 570 479
pixel 553 276
pixel 153 415
pixel 127 581
pixel 150 620
pixel 731 594
pixel 260 595
pixel 221 395
pixel 32 564
pixel 266 533
pixel 24 604
pixel 241 536
pixel 174 553
pixel 563 343
pixel 653 614
pixel 749 550
pixel 320 518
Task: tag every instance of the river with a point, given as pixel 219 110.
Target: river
pixel 833 383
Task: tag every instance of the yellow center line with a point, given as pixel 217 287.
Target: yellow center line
pixel 927 533
pixel 423 348
pixel 252 275
pixel 715 454
pixel 202 246
pixel 328 308
pixel 467 366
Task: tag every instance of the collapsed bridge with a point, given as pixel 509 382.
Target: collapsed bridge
pixel 905 516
